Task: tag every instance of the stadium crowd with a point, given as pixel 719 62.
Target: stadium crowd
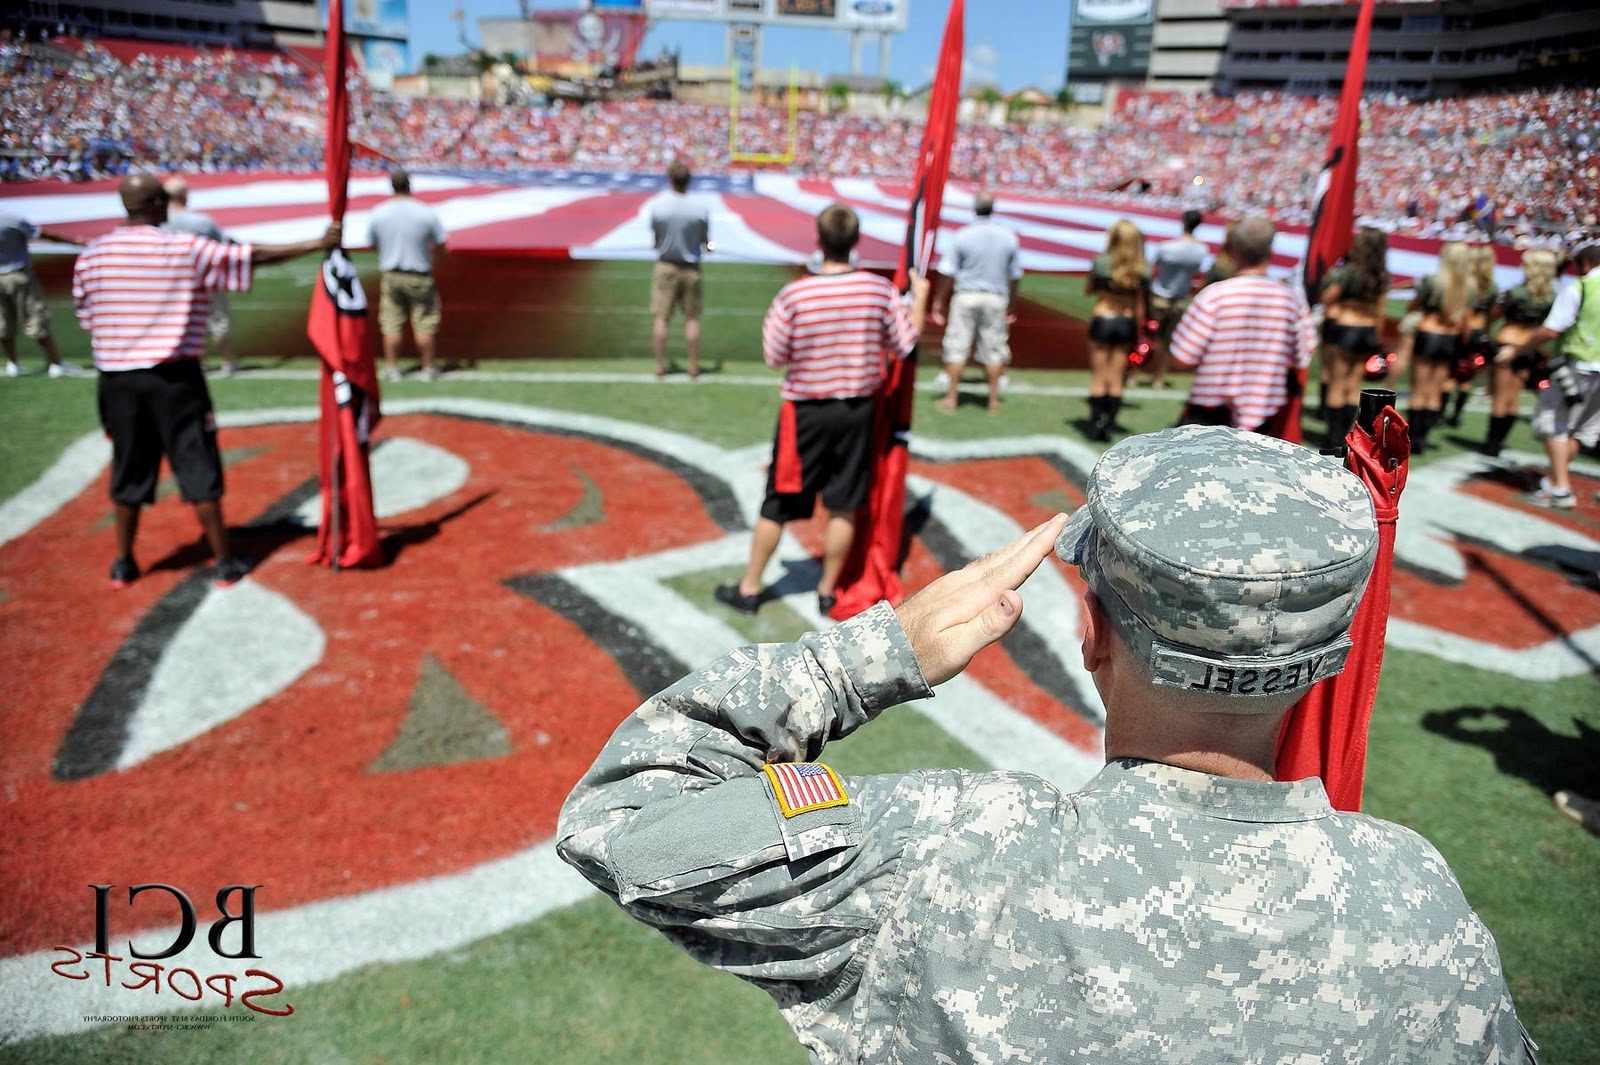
pixel 1520 165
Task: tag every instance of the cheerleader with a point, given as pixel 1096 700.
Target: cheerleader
pixel 1352 300
pixel 1119 281
pixel 1523 308
pixel 1445 299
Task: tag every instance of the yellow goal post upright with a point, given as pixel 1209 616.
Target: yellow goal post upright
pixel 785 157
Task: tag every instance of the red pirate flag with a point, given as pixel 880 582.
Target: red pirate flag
pixel 872 572
pixel 337 326
pixel 1333 210
pixel 1325 734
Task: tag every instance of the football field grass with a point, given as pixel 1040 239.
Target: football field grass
pixel 1466 756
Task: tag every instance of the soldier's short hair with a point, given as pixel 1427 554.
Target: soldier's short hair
pixel 1227 562
pixel 838 230
pixel 399 180
pixel 678 176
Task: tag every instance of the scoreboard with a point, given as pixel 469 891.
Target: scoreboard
pixel 877 16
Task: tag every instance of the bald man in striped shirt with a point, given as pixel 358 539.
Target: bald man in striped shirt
pixel 1247 339
pixel 144 295
pixel 831 334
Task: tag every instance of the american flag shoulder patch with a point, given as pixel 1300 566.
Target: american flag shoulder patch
pixel 801 787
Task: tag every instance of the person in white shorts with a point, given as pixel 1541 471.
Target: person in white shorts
pixel 983 267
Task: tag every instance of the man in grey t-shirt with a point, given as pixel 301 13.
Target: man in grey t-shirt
pixel 407 234
pixel 983 268
pixel 22 306
pixel 682 231
pixel 1175 265
pixel 219 323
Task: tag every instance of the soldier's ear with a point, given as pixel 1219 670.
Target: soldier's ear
pixel 1096 633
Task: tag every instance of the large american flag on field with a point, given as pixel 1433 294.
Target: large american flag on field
pixel 755 218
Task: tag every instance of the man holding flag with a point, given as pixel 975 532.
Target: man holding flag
pixel 872 570
pixel 829 333
pixel 338 327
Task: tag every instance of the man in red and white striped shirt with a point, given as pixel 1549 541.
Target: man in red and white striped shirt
pixel 144 295
pixel 831 334
pixel 1246 337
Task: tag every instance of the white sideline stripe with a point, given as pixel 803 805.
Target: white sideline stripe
pixel 57 486
pixel 1574 655
pixel 270 644
pixel 1434 510
pixel 307 944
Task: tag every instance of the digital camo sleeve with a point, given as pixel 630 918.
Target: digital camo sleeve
pixel 679 821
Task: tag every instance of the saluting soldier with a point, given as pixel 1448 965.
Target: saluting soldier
pixel 1183 906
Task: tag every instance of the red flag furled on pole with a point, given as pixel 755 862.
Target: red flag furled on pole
pixel 1333 211
pixel 1333 208
pixel 1325 734
pixel 338 327
pixel 872 572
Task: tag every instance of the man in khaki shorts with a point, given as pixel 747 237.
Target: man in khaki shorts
pixel 407 234
pixel 682 230
pixel 984 269
pixel 22 306
pixel 1175 264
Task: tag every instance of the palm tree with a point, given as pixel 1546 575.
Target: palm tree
pixel 838 96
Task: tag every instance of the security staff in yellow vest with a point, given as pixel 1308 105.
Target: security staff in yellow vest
pixel 1568 414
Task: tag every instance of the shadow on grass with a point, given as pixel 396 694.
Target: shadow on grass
pixel 1523 746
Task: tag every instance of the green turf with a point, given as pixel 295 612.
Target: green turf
pixel 586 985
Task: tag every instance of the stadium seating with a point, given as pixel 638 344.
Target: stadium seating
pixel 1524 164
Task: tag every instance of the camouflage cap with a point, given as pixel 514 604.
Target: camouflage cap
pixel 1229 561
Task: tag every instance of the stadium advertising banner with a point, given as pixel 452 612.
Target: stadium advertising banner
pixel 1110 39
pixel 382 59
pixel 373 18
pixel 879 16
pixel 574 42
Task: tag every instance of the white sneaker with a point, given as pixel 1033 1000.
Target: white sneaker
pixel 1581 809
pixel 391 375
pixel 430 374
pixel 1544 497
pixel 13 370
pixel 942 381
pixel 229 369
pixel 65 369
pixel 1005 382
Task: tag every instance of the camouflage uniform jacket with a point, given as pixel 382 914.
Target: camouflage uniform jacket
pixel 1158 915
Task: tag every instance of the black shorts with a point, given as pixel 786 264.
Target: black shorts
pixel 165 410
pixel 833 441
pixel 1358 340
pixel 1436 347
pixel 1106 329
